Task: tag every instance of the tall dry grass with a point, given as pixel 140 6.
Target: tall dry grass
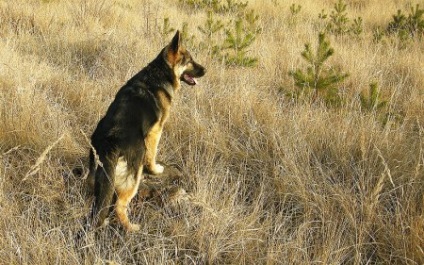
pixel 271 181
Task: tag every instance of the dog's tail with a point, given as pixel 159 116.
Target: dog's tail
pixel 90 177
pixel 104 190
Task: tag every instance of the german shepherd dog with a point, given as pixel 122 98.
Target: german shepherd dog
pixel 127 137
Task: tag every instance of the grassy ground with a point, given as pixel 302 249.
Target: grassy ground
pixel 272 181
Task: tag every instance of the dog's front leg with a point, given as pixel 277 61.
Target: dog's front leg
pixel 152 142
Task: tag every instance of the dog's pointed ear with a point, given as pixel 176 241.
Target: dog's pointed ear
pixel 174 48
pixel 175 42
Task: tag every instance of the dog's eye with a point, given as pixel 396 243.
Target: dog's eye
pixel 186 59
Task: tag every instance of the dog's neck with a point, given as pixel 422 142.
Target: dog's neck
pixel 171 83
pixel 169 89
pixel 158 75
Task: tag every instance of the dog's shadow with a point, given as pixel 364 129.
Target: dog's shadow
pixel 169 186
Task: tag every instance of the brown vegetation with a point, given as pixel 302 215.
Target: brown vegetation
pixel 270 180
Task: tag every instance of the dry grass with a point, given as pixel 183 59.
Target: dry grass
pixel 271 181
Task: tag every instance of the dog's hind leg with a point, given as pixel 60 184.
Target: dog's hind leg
pixel 126 190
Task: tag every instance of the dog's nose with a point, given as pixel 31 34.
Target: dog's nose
pixel 202 70
pixel 199 69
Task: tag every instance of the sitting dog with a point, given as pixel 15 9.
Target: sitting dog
pixel 127 137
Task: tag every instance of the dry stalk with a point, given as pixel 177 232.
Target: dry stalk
pixel 36 167
pixel 96 156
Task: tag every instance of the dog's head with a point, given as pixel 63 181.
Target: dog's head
pixel 181 62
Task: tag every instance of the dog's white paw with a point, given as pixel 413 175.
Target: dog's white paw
pixel 134 228
pixel 157 169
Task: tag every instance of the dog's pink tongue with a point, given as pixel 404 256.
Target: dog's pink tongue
pixel 190 79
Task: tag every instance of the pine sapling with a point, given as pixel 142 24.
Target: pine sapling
pixel 294 12
pixel 356 27
pixel 338 22
pixel 210 29
pixel 237 42
pixel 339 19
pixel 188 38
pixel 411 25
pixel 166 28
pixel 318 80
pixel 373 101
pixel 233 6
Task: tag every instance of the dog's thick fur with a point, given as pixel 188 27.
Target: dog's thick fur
pixel 126 138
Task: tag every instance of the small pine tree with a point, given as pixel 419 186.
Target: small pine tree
pixel 232 6
pixel 373 101
pixel 338 23
pixel 211 27
pixel 338 19
pixel 217 6
pixel 228 42
pixel 188 38
pixel 411 25
pixel 356 27
pixel 416 21
pixel 236 42
pixel 251 18
pixel 294 12
pixel 318 80
pixel 295 9
pixel 166 28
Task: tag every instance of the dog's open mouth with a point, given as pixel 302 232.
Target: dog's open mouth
pixel 190 80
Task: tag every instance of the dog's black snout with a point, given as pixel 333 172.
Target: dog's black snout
pixel 200 70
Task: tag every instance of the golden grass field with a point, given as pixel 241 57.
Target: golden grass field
pixel 271 180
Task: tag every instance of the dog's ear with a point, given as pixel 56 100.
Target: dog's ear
pixel 176 42
pixel 173 48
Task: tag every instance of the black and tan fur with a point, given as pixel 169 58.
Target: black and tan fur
pixel 127 137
